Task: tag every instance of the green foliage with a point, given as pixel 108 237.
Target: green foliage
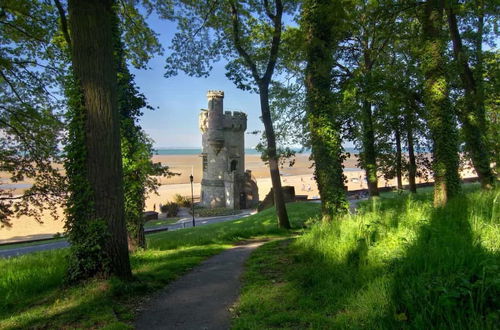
pixel 31 67
pixel 440 118
pixel 183 201
pixel 137 148
pixel 140 42
pixel 492 104
pixel 398 263
pixel 33 295
pixel 86 234
pixel 320 20
pixel 170 209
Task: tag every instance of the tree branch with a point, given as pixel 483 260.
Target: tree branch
pixel 268 10
pixel 12 87
pixel 64 22
pixel 275 43
pixel 237 43
pixel 205 19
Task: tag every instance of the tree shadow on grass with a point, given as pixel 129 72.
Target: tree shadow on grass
pixel 447 278
pixel 444 278
pixel 104 302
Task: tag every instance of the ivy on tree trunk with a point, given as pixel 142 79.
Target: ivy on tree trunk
pixel 435 96
pixel 325 137
pixel 472 115
pixel 98 131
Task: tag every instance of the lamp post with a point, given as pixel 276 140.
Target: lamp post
pixel 192 198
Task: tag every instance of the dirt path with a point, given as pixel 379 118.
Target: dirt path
pixel 200 299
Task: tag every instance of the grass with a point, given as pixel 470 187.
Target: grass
pixel 200 211
pixel 34 295
pixel 160 223
pixel 398 263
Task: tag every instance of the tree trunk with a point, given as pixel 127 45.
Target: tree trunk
pixel 94 67
pixel 136 237
pixel 399 174
pixel 279 200
pixel 326 143
pixel 473 116
pixel 412 164
pixel 369 152
pixel 435 95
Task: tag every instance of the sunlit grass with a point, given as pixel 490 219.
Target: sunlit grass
pixel 32 288
pixel 398 263
pixel 160 222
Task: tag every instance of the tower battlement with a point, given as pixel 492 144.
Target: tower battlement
pixel 215 94
pixel 235 120
pixel 224 182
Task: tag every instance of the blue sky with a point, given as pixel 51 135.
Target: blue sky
pixel 178 100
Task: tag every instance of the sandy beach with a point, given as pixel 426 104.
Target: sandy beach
pixel 300 176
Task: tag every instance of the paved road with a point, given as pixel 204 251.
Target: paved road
pixel 14 252
pixel 200 299
pixel 184 222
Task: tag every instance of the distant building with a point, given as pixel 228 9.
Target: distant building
pixel 225 182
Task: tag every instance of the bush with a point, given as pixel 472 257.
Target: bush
pixel 171 209
pixel 183 201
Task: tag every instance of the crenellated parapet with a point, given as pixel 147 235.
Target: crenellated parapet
pixel 215 94
pixel 223 155
pixel 235 120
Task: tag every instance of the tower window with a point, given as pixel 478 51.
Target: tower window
pixel 205 163
pixel 234 163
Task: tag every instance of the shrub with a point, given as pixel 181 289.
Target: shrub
pixel 183 201
pixel 171 209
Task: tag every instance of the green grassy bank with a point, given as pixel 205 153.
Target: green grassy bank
pixel 398 263
pixel 32 288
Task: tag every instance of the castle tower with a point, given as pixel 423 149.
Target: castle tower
pixel 223 154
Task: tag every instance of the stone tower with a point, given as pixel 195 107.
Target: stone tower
pixel 224 178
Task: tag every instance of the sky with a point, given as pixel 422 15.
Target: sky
pixel 178 100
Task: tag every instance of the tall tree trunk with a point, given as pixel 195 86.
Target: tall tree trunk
pixel 435 95
pixel 473 116
pixel 279 200
pixel 399 175
pixel 263 84
pixel 369 152
pixel 412 164
pixel 326 143
pixel 95 70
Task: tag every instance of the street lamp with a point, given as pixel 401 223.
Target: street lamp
pixel 192 198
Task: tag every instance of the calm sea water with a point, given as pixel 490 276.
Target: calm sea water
pixel 197 151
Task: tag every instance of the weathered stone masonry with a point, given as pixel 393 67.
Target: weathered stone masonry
pixel 225 182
